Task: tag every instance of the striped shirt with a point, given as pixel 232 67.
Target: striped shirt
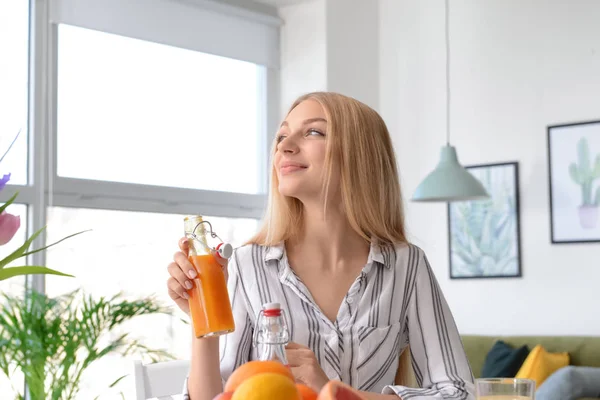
pixel 394 302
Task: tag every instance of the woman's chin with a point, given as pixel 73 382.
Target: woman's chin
pixel 294 191
pixel 288 191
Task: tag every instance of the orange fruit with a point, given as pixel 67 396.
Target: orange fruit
pixel 336 390
pixel 252 368
pixel 268 385
pixel 224 396
pixel 306 393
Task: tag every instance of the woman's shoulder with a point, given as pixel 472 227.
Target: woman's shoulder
pixel 403 255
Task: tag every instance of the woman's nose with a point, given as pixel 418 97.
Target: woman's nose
pixel 289 145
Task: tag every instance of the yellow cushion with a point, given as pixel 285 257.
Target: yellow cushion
pixel 540 364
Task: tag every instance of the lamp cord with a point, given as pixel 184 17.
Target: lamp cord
pixel 447 75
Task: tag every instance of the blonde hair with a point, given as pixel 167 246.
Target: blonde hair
pixel 360 146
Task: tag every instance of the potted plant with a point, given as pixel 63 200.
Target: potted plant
pixel 584 174
pixel 52 341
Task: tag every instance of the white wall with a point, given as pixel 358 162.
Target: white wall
pixel 330 45
pixel 303 50
pixel 353 49
pixel 517 66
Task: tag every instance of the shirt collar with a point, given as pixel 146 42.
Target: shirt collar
pixel 276 252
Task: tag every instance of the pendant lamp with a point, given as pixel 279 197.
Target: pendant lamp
pixel 449 181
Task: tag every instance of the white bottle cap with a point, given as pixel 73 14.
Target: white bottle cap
pixel 271 306
pixel 225 250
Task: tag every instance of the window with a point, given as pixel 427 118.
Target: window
pixel 132 114
pixel 140 112
pixel 14 62
pixel 128 252
pixel 14 86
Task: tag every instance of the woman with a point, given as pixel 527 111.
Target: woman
pixel 335 215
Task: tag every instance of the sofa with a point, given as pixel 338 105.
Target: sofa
pixel 583 350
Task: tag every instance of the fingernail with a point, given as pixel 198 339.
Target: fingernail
pixel 188 285
pixel 192 273
pixel 186 296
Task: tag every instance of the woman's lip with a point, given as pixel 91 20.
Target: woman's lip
pixel 288 169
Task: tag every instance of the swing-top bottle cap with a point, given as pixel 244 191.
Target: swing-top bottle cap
pixel 271 306
pixel 272 309
pixel 224 250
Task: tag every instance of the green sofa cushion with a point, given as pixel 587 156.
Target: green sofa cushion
pixel 583 350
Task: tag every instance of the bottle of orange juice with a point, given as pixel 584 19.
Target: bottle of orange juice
pixel 210 308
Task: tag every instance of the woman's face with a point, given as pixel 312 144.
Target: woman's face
pixel 300 155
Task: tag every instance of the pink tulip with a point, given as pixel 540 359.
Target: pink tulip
pixel 9 225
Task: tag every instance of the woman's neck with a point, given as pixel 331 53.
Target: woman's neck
pixel 328 239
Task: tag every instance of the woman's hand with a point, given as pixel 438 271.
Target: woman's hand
pixel 182 274
pixel 305 367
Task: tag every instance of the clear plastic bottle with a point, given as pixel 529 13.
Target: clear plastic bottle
pixel 271 334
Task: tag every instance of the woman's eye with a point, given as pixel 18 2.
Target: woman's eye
pixel 314 132
pixel 279 138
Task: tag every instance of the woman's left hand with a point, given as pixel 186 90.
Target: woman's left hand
pixel 305 367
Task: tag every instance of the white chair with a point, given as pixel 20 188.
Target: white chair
pixel 159 380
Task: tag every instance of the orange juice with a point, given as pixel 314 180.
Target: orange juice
pixel 210 308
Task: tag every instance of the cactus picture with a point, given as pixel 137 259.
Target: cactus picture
pixel 574 158
pixel 484 235
pixel 584 173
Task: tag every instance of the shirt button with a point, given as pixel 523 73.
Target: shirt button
pixel 350 300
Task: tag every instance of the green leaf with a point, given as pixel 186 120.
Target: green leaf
pixel 574 172
pixel 118 380
pixel 583 158
pixel 19 252
pixel 486 239
pixel 22 251
pixel 9 202
pixel 53 244
pixel 596 173
pixel 6 273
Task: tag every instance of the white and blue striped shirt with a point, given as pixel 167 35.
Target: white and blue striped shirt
pixel 394 302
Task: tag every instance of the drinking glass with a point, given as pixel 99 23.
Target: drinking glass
pixel 505 389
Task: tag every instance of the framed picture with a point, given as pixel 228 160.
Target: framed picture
pixel 574 175
pixel 484 235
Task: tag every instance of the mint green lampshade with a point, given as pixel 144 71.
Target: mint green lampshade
pixel 449 181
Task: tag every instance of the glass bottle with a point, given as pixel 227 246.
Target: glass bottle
pixel 210 308
pixel 271 334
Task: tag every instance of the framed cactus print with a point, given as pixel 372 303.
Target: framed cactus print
pixel 484 235
pixel 574 182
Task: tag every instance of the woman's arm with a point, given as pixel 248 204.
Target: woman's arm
pixel 440 363
pixel 204 381
pixel 214 359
